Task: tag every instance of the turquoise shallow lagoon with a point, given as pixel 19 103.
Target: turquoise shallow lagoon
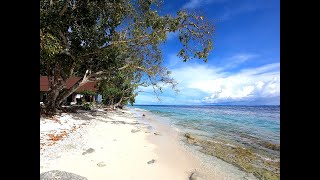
pixel 252 133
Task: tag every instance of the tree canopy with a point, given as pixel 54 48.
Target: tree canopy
pixel 104 40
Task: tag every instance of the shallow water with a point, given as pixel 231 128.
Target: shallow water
pixel 247 136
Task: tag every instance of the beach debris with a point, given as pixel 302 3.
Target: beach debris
pixel 189 136
pixel 135 130
pixel 55 119
pixel 101 164
pixel 90 150
pixel 195 176
pixel 62 175
pixel 143 115
pixel 246 159
pixel 275 147
pixel 57 128
pixel 191 139
pixel 151 162
pixel 57 137
pixel 156 133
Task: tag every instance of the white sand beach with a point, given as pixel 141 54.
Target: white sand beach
pixel 122 154
pixel 117 145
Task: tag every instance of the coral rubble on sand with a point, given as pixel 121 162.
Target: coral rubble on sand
pixel 245 159
pixel 56 128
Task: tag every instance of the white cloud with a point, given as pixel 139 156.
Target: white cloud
pixel 205 83
pixel 238 59
pixel 173 60
pixel 245 7
pixel 222 86
pixel 146 99
pixel 192 4
pixel 232 9
pixel 197 3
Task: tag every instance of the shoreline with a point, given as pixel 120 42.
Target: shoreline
pixel 123 145
pixel 250 160
pixel 210 167
pixel 111 146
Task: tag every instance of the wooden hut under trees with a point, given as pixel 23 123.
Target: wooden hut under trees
pixel 86 92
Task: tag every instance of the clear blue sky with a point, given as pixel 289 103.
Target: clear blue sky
pixel 243 68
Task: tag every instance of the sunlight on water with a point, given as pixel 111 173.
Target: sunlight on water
pixel 253 132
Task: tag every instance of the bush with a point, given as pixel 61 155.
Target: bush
pixel 87 106
pixel 88 93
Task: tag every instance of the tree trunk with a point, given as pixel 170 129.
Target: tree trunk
pixel 67 92
pixel 118 103
pixel 57 94
pixel 55 84
pixel 52 95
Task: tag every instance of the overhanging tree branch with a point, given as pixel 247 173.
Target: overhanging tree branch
pixel 64 8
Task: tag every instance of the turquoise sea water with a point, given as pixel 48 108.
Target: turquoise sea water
pixel 252 127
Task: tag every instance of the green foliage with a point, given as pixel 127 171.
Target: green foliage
pixel 49 45
pixel 105 40
pixel 88 106
pixel 118 90
pixel 88 93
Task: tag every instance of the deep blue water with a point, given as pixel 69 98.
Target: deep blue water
pixel 242 125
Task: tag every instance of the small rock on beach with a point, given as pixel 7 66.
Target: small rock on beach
pixel 151 162
pixel 189 136
pixel 135 130
pixel 101 164
pixel 195 176
pixel 90 150
pixel 62 175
